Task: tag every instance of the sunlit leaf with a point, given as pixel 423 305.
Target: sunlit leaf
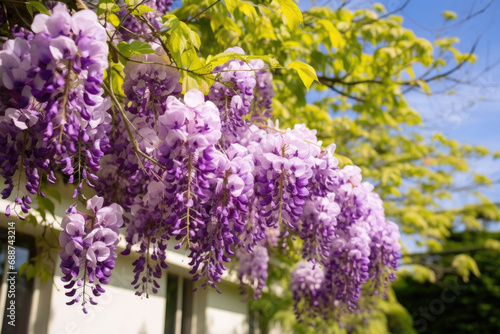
pixel 305 71
pixel 38 6
pixel 291 12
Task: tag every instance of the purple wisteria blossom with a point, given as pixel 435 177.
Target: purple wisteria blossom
pixel 233 92
pixel 307 282
pixel 362 247
pixel 264 90
pixel 252 270
pixel 133 28
pixel 147 86
pixel 89 244
pixel 52 113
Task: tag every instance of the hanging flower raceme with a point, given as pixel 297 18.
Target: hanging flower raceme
pixel 283 162
pixel 225 214
pixel 347 266
pixel 188 132
pixel 252 270
pixel 53 112
pixel 133 180
pixel 125 175
pixel 264 90
pixel 134 28
pixel 318 226
pixel 89 244
pixel 233 92
pixel 147 86
pixel 307 286
pixel 384 244
pixel 363 247
pixel 194 179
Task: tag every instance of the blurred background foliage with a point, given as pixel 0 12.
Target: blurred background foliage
pixel 461 307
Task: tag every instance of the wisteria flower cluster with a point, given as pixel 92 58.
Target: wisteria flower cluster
pixel 53 116
pixel 133 28
pixel 195 170
pixel 89 244
pixel 354 241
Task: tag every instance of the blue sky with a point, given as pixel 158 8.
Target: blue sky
pixel 473 114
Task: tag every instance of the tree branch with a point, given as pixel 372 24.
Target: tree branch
pixel 448 251
pixel 203 11
pixel 324 81
pixel 329 82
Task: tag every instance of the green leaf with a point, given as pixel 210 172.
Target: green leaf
pixel 449 15
pixel 54 193
pixel 343 160
pixel 223 57
pixel 415 220
pixel 482 179
pixel 178 39
pixel 446 42
pixel 180 35
pixel 306 72
pixel 141 9
pixel 231 5
pixel 464 264
pixel 38 6
pixel 423 274
pixel 32 220
pixel 380 8
pixel 425 87
pixel 23 268
pixel 136 47
pixel 171 21
pixel 492 244
pixel 46 204
pixel 117 78
pixel 107 6
pixel 191 81
pixel 30 9
pixel 334 35
pixel 30 271
pixel 292 13
pixel 114 20
pixel 411 73
pixel 45 276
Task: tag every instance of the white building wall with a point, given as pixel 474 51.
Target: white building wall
pixel 226 313
pixel 119 309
